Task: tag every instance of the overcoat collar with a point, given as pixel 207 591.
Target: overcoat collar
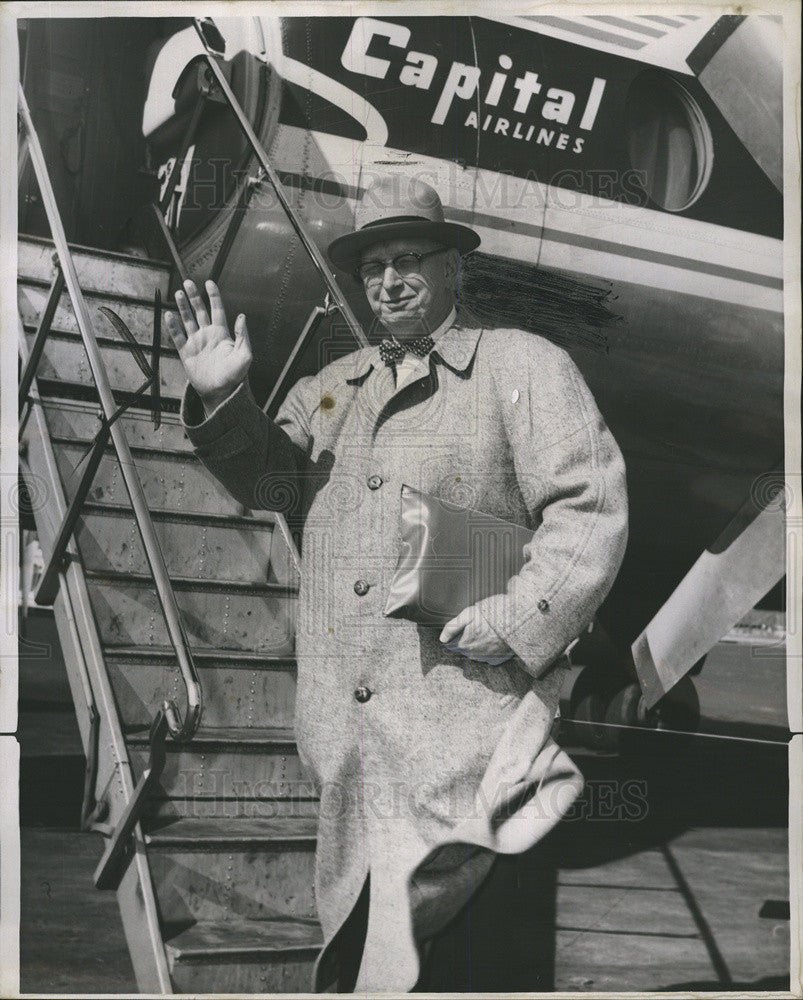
pixel 455 348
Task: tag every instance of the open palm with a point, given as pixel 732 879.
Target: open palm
pixel 215 363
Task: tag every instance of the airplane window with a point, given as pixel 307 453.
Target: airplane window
pixel 668 141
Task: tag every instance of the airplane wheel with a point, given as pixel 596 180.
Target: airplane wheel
pixel 626 708
pixel 679 709
pixel 591 709
pixel 588 708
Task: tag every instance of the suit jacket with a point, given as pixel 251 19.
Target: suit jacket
pixel 449 761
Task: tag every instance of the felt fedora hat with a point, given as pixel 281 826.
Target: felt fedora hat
pixel 395 206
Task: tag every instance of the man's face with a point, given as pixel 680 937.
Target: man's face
pixel 411 303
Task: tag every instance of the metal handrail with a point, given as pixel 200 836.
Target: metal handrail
pixel 315 254
pixel 283 381
pixel 180 729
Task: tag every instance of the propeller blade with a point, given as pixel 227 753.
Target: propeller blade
pixel 727 580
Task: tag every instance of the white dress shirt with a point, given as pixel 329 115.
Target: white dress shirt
pixel 411 365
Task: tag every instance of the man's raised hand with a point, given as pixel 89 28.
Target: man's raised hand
pixel 215 364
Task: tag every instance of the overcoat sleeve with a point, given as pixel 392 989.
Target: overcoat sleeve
pixel 572 476
pixel 256 459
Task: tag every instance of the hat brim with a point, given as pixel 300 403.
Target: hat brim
pixel 345 251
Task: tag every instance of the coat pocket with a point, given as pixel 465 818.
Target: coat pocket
pixel 509 680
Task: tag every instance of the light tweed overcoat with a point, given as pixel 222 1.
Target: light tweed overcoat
pixel 449 761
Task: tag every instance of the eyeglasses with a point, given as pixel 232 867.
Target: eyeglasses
pixel 373 271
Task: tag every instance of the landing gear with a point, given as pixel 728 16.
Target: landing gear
pixel 608 714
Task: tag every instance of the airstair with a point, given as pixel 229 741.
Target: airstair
pixel 216 884
pixel 215 881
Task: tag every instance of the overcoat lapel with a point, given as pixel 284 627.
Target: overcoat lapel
pixel 455 350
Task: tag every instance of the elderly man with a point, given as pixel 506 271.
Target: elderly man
pixel 431 747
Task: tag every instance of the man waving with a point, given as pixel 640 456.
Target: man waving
pixel 430 746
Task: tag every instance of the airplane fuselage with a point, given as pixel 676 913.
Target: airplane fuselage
pixel 620 216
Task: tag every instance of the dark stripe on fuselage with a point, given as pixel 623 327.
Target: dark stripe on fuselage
pixel 606 246
pixel 556 236
pixel 320 185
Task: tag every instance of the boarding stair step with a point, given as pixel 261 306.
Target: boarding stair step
pixel 248 956
pixel 64 359
pixel 262 802
pixel 225 765
pixel 243 658
pixel 194 546
pixel 49 388
pixel 98 270
pixel 255 521
pixel 240 737
pixel 170 481
pixel 192 583
pixel 74 421
pixel 257 617
pixel 252 868
pixel 246 937
pixel 205 834
pixel 137 314
pixel 240 688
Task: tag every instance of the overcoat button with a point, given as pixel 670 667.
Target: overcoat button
pixel 374 482
pixel 543 605
pixel 361 588
pixel 362 694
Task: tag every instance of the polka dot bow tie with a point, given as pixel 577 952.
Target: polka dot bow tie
pixel 391 351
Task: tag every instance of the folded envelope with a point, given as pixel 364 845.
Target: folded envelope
pixel 450 558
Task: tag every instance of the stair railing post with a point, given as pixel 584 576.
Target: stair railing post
pixel 51 578
pixel 108 872
pixel 235 222
pixel 42 331
pixel 283 381
pixel 170 243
